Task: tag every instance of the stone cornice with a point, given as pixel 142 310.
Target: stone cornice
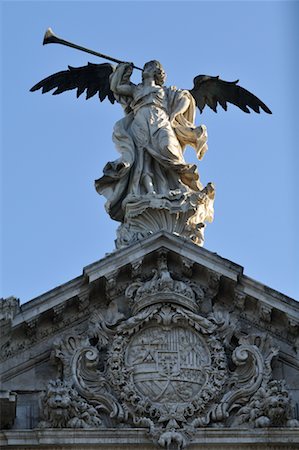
pixel 177 244
pixel 53 300
pixel 270 297
pixel 49 300
pixel 209 438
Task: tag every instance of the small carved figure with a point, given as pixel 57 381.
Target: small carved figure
pixel 269 407
pixel 64 408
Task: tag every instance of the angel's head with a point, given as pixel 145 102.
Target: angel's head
pixel 154 69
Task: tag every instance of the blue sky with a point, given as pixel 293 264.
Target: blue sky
pixel 53 221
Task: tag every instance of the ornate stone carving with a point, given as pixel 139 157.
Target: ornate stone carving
pixel 239 299
pixel 161 286
pixel 9 307
pixel 187 266
pixel 170 367
pixel 31 326
pixel 83 299
pixel 213 284
pixel 180 213
pixel 293 326
pixel 112 287
pixel 211 290
pixel 270 406
pixel 34 334
pixel 58 311
pixel 64 408
pixel 166 364
pixel 265 312
pixel 136 268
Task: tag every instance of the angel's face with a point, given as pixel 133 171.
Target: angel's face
pixel 149 70
pixel 154 70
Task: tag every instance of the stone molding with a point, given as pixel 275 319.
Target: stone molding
pixel 54 299
pixel 164 337
pixel 126 439
pixel 77 291
pixel 199 256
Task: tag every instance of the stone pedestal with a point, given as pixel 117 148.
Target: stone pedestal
pixel 183 214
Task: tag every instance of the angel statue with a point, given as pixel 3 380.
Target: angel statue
pixel 150 186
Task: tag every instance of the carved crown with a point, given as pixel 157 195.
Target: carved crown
pixel 161 288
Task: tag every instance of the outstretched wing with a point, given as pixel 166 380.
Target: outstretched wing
pixel 210 91
pixel 94 78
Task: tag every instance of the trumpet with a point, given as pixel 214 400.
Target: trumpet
pixel 51 38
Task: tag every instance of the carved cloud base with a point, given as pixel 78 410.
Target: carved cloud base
pixel 180 213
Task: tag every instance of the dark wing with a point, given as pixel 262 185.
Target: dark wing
pixel 211 91
pixel 94 78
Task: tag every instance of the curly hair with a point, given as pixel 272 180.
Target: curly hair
pixel 159 73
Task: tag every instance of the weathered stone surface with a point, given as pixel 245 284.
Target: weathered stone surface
pixel 162 335
pixel 126 439
pixel 183 214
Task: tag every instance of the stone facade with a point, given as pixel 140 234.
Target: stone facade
pixel 159 344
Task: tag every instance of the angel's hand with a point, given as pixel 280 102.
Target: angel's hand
pixel 125 66
pixel 129 69
pixel 125 70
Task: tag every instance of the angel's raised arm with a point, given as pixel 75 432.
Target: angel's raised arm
pixel 120 80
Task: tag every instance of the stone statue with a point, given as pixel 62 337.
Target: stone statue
pixel 159 123
pixel 150 186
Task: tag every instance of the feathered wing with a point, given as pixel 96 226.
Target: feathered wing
pixel 210 91
pixel 93 78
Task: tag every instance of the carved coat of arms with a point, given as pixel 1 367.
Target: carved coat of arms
pixel 167 367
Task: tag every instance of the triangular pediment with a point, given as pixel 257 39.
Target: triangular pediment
pixel 104 290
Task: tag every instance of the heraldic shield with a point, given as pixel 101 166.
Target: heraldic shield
pixel 169 365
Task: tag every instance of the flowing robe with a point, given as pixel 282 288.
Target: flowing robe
pixel 150 144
